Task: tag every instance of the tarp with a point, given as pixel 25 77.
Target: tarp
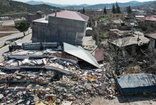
pixel 80 53
pixel 137 80
pixel 104 18
pixel 137 83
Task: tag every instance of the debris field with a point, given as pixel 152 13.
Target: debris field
pixel 51 76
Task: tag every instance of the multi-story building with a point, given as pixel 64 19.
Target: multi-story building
pixel 63 26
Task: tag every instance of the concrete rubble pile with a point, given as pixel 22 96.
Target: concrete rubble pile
pixel 29 80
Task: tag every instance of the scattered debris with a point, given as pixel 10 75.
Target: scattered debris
pixel 52 77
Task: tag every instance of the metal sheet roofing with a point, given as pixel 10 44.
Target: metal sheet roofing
pixel 80 53
pixel 137 80
pixel 99 55
pixel 70 15
pixel 153 35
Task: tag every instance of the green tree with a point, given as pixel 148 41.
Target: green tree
pixel 113 9
pixel 83 11
pixel 117 8
pixel 129 10
pixel 23 26
pixel 105 10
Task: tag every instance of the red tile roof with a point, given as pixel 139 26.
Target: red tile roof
pixel 99 55
pixel 149 18
pixel 71 15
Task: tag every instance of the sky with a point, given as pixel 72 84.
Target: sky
pixel 71 2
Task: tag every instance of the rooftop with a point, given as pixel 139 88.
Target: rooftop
pixel 149 18
pixel 134 10
pixel 41 20
pixel 70 15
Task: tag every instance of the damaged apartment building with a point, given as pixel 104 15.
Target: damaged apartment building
pixel 64 26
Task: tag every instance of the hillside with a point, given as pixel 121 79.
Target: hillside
pixel 151 5
pixel 134 4
pixel 41 2
pixel 13 7
pixel 98 6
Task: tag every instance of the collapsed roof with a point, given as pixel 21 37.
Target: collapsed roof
pixel 131 40
pixel 80 53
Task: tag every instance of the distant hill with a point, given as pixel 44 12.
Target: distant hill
pixel 32 2
pixel 151 5
pixel 76 6
pixel 98 6
pixel 8 7
pixel 41 2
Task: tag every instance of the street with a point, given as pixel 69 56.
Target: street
pixel 23 40
pixel 11 37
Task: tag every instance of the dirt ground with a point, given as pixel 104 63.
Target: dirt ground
pixel 129 100
pixel 8 28
pixel 5 34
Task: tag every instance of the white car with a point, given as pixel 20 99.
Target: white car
pixel 1 22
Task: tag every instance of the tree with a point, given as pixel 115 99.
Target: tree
pixel 23 26
pixel 83 11
pixel 117 8
pixel 129 10
pixel 105 10
pixel 113 9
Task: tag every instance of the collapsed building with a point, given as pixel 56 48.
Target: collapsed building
pixel 127 52
pixel 47 73
pixel 127 42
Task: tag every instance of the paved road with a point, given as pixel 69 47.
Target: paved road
pixel 23 40
pixel 8 22
pixel 8 38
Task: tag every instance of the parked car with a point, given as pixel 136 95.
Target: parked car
pixel 1 22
